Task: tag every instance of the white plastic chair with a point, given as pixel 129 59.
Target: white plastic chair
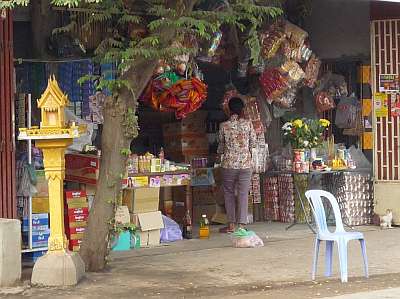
pixel 340 236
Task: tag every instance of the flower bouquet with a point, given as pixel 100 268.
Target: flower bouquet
pixel 305 133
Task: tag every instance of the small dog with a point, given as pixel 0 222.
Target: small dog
pixel 386 220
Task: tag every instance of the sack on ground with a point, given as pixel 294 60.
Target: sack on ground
pixel 246 239
pixel 171 231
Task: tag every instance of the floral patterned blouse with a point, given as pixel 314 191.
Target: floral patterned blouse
pixel 236 139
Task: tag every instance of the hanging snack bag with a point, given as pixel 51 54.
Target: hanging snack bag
pixel 295 72
pixel 272 39
pixel 312 70
pixel 324 102
pixel 295 34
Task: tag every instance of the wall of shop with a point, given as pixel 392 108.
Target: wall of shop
pixel 340 28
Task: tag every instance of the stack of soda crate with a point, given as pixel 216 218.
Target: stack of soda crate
pixel 40 230
pixel 76 215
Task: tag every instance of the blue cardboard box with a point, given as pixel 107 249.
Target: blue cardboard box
pixel 40 222
pixel 39 238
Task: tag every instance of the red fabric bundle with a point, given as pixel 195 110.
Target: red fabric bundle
pixel 184 97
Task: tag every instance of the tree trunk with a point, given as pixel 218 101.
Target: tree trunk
pixel 94 246
pixel 112 164
pixel 43 21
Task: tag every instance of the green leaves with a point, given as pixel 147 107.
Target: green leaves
pixel 125 151
pixel 13 3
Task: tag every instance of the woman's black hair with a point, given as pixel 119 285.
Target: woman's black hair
pixel 236 105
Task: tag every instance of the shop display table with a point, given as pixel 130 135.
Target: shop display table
pixel 179 178
pixel 352 188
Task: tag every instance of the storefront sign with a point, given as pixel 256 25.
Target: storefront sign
pixel 388 83
pixel 381 104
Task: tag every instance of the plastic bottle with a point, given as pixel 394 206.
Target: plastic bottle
pixel 204 231
pixel 162 155
pixel 187 226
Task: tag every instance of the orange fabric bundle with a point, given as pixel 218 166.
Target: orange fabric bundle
pixel 184 97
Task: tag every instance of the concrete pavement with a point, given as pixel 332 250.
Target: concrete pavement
pixel 212 268
pixel 392 293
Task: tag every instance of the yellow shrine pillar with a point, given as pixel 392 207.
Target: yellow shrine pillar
pixel 54 167
pixel 59 267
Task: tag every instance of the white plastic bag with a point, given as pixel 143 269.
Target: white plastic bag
pixel 85 139
pixel 171 231
pixel 246 239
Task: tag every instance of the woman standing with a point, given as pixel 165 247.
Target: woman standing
pixel 236 140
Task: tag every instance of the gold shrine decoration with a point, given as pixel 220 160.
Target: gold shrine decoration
pixel 52 104
pixel 53 136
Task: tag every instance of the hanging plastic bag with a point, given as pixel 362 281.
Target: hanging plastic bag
pixel 171 231
pixel 346 112
pixel 246 239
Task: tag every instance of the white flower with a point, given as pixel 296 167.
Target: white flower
pixel 287 126
pixel 305 143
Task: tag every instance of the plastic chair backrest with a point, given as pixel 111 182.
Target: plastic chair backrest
pixel 315 199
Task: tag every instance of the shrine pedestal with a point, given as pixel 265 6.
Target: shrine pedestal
pixel 58 269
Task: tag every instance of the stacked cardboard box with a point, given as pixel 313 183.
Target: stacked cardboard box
pixel 40 205
pixel 82 168
pixel 143 204
pixel 76 214
pixel 40 230
pixel 186 139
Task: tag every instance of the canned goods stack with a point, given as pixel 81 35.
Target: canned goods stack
pixel 355 202
pixel 286 197
pixel 255 189
pixel 271 197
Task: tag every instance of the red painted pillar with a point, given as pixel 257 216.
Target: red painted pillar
pixel 8 204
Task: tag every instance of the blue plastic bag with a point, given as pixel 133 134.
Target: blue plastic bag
pixel 171 231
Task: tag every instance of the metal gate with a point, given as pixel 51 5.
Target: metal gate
pixel 385 59
pixel 8 205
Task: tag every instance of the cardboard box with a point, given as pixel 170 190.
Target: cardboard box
pixel 150 225
pixel 40 222
pixel 142 200
pixel 76 224
pixel 185 144
pixel 39 238
pixel 76 230
pixel 76 218
pixel 75 236
pixel 204 195
pixel 82 168
pixel 42 185
pixel 75 204
pixel 194 123
pixel 78 211
pixel 74 245
pixel 75 195
pixel 40 205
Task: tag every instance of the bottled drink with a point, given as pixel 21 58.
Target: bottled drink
pixel 187 226
pixel 204 232
pixel 162 156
